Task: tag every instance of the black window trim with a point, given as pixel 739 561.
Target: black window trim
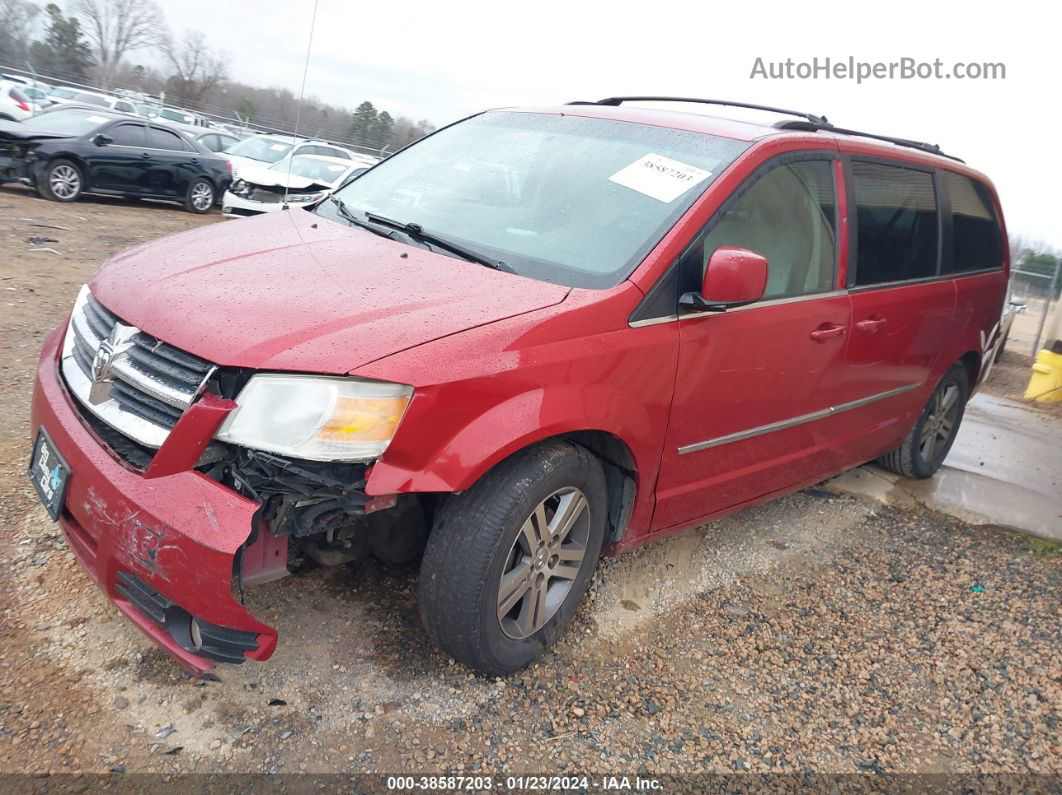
pixel 660 303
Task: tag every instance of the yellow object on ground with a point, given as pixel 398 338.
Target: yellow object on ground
pixel 1045 386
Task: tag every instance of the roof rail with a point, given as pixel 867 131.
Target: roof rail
pixel 810 126
pixel 615 101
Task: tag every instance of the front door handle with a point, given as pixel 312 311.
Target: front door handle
pixel 870 325
pixel 827 331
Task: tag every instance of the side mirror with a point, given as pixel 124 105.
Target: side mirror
pixel 734 277
pixel 102 140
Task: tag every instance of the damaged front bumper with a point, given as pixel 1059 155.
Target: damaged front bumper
pixel 163 547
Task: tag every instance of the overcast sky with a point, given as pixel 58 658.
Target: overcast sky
pixel 444 60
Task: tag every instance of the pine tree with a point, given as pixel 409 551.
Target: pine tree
pixel 363 123
pixel 63 51
pixel 385 127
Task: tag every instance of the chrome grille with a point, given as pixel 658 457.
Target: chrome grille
pixel 135 383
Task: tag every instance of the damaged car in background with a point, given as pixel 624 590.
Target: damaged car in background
pixel 68 151
pixel 299 180
pixel 531 338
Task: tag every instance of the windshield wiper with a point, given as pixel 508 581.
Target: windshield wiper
pixel 416 232
pixel 347 215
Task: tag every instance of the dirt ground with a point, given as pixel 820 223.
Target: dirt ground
pixel 819 633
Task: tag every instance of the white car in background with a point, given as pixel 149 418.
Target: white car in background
pixel 304 178
pixel 65 95
pixel 14 104
pixel 264 150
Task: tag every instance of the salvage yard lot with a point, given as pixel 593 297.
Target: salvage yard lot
pixel 816 633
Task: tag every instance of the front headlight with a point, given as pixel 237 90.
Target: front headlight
pixel 319 418
pixel 239 187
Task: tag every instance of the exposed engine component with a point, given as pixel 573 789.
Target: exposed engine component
pixel 321 506
pixel 301 498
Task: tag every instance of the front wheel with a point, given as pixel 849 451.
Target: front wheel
pixel 61 181
pixel 927 444
pixel 508 561
pixel 200 197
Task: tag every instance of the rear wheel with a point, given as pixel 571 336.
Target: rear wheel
pixel 200 197
pixel 61 181
pixel 508 561
pixel 927 445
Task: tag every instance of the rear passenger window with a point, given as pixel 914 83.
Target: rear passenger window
pixel 787 215
pixel 978 240
pixel 164 139
pixel 896 223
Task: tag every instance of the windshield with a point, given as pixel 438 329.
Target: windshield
pixel 66 122
pixel 314 168
pixel 565 199
pixel 267 150
pixel 150 111
pixel 64 93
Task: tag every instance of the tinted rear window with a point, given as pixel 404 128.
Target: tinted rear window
pixel 978 240
pixel 896 221
pixel 164 139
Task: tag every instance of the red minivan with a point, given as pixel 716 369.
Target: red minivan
pixel 533 337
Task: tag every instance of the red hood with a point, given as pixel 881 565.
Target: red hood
pixel 293 291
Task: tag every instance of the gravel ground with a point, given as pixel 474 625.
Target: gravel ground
pixel 816 634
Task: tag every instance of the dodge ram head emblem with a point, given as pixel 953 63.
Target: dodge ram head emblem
pixel 111 351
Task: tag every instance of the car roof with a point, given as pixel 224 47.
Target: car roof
pixel 339 161
pixel 745 130
pixel 97 109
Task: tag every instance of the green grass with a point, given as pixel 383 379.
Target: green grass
pixel 1043 547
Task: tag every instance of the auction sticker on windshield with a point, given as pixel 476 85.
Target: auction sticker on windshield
pixel 659 177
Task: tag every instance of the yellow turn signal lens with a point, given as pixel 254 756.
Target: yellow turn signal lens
pixel 356 419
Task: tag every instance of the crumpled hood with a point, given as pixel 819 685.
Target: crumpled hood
pixel 275 177
pixel 241 163
pixel 294 291
pixel 23 131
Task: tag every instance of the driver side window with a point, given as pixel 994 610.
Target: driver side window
pixel 788 216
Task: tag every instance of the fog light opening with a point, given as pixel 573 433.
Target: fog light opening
pixel 195 634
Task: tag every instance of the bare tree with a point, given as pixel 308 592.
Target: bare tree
pixel 17 18
pixel 117 27
pixel 197 69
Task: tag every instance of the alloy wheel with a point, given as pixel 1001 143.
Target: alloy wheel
pixel 202 196
pixel 940 422
pixel 64 182
pixel 543 563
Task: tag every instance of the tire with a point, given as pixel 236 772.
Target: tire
pixel 927 444
pixel 200 197
pixel 490 531
pixel 61 181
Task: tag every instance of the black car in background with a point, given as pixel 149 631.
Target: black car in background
pixel 69 151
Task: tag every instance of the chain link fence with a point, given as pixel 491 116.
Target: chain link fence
pixel 1034 300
